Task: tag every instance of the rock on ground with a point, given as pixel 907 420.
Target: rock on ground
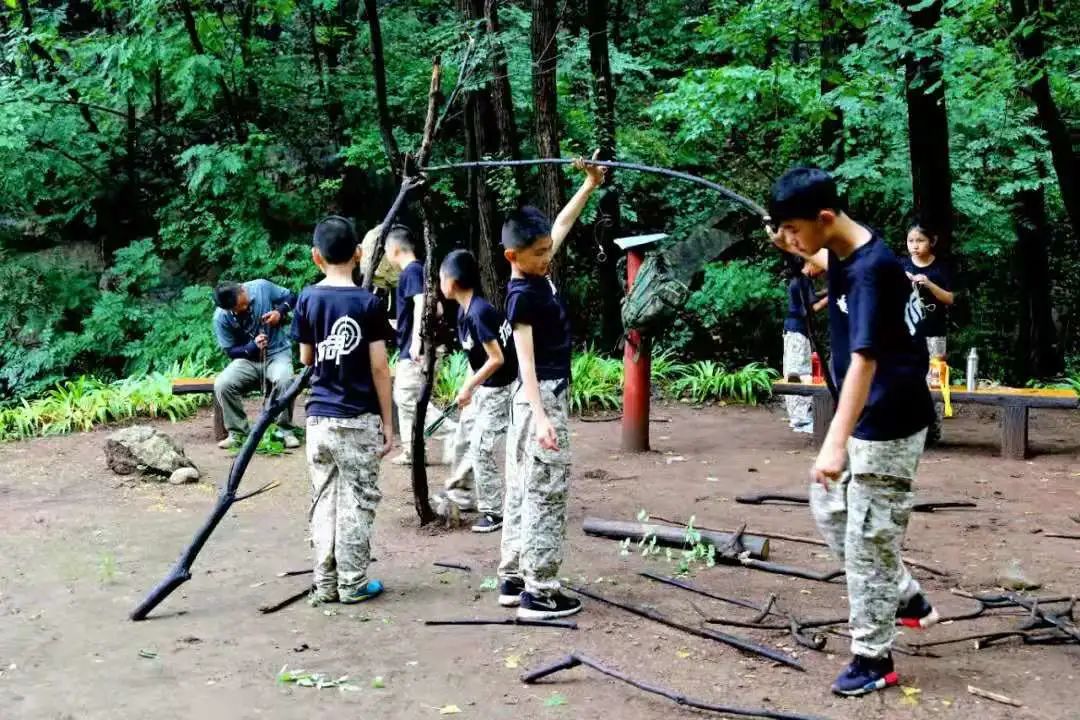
pixel 150 452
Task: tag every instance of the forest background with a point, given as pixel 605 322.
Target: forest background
pixel 151 148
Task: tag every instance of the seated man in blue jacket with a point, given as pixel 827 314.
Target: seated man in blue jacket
pixel 251 327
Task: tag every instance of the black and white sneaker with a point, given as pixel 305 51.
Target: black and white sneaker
pixel 488 522
pixel 535 607
pixel 510 590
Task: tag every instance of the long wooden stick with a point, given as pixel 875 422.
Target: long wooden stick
pixel 732 640
pixel 562 624
pixel 996 697
pixel 574 659
pixel 181 571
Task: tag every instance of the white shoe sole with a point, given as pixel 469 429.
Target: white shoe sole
pixel 527 614
pixel 487 528
pixel 510 600
pixel 923 623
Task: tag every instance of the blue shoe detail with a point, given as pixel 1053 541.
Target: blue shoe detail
pixel 866 675
pixel 368 590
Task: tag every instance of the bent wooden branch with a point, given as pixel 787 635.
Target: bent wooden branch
pixel 574 659
pixel 181 571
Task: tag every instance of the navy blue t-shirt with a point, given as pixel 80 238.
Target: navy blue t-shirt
pixel 795 320
pixel 481 324
pixel 340 322
pixel 935 320
pixel 533 301
pixel 872 312
pixel 410 284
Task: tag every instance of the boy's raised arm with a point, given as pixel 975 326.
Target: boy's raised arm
pixel 594 178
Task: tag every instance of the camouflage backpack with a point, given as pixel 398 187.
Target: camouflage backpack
pixel 662 285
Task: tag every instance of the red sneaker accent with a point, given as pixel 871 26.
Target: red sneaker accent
pixel 892 678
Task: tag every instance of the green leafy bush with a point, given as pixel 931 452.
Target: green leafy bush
pixel 85 402
pixel 597 382
pixel 707 380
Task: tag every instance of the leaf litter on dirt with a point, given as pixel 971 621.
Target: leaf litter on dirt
pixel 449 710
pixel 302 678
pixel 555 700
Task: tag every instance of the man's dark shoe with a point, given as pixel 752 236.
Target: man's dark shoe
pixel 549 607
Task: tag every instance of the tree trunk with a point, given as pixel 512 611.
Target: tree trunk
pixel 386 126
pixel 1027 16
pixel 231 108
pixel 1039 354
pixel 545 53
pixel 502 100
pixel 608 220
pixel 251 89
pixel 928 127
pixel 833 32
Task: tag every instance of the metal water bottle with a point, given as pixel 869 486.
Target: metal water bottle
pixel 972 370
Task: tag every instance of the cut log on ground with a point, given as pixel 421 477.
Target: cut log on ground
pixel 757 546
pixel 574 659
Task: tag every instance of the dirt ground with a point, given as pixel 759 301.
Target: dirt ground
pixel 79 547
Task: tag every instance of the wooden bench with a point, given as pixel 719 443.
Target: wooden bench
pixel 194 386
pixel 1015 404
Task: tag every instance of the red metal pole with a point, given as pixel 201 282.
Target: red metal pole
pixel 637 365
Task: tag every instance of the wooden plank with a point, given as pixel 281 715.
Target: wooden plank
pixel 1028 397
pixel 189 386
pixel 1014 432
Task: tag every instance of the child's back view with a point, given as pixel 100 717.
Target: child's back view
pixel 343 332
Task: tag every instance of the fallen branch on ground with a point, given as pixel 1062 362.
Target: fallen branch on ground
pixel 1063 536
pixel 757 546
pixel 574 659
pixel 1003 699
pixel 564 624
pixel 804 540
pixel 181 571
pixel 452 566
pixel 732 640
pixel 267 609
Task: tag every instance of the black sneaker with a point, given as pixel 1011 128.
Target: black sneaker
pixel 488 522
pixel 510 590
pixel 865 675
pixel 917 613
pixel 536 607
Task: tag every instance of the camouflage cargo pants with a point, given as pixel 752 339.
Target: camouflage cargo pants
pixel 343 461
pixel 537 485
pixel 797 362
pixel 938 348
pixel 863 518
pixel 476 480
pixel 408 384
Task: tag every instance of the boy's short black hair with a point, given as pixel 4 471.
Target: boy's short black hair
pixel 461 267
pixel 523 227
pixel 335 239
pixel 226 295
pixel 801 193
pixel 401 236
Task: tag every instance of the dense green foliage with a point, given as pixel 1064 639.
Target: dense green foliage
pixel 142 159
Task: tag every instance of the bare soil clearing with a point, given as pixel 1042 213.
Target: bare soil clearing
pixel 80 547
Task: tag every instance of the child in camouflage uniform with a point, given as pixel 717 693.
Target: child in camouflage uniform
pixel 538 443
pixel 861 495
pixel 342 331
pixel 484 397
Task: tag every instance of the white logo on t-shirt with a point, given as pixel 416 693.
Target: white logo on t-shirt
pixel 914 311
pixel 505 331
pixel 343 339
pixel 842 304
pixel 467 342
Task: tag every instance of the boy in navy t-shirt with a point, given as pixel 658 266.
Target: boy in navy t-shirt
pixel 484 397
pixel 538 442
pixel 409 370
pixel 342 331
pixel 797 352
pixel 861 495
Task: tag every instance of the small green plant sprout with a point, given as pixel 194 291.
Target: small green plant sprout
pixel 106 568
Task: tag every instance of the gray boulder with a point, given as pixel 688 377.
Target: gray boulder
pixel 149 452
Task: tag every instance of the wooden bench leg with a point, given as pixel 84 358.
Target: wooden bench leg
pixel 1014 431
pixel 220 433
pixel 823 415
